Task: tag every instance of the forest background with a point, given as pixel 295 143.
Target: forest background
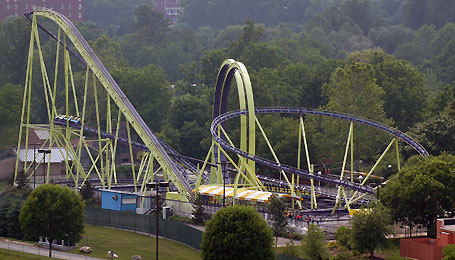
pixel 387 60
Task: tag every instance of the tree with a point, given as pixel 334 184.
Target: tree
pixel 435 134
pixel 370 228
pixel 237 232
pixel 54 212
pixel 86 191
pixel 422 190
pixel 148 91
pixel 150 27
pixel 10 208
pixel 276 208
pixel 352 90
pixel 343 237
pixel 446 63
pixel 403 85
pixel 313 243
pixel 198 210
pixel 449 252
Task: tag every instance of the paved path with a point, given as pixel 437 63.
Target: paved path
pixel 30 249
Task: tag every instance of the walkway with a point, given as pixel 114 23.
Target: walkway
pixel 30 249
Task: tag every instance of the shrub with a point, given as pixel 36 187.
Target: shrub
pixel 237 232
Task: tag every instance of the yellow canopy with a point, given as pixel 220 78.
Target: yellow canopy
pixel 242 193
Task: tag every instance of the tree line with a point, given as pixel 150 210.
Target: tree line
pixel 369 58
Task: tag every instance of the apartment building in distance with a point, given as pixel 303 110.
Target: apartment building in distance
pixel 169 8
pixel 73 9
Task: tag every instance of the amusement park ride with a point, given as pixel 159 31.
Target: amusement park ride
pixel 70 133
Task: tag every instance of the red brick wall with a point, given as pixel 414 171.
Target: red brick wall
pixel 73 9
pixel 420 248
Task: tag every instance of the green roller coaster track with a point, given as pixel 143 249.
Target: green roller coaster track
pixel 102 149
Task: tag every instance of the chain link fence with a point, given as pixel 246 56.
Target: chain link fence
pixel 146 224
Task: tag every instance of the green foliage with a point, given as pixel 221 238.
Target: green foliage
pixel 21 180
pixel 10 104
pixel 277 210
pixel 314 245
pixel 148 91
pixel 237 232
pixel 179 218
pixel 86 191
pixel 446 63
pixel 291 250
pixel 343 255
pixel 435 134
pixel 343 237
pixel 198 211
pixel 10 208
pixel 422 190
pixel 370 228
pixel 405 95
pixel 54 212
pixel 352 90
pixel 448 252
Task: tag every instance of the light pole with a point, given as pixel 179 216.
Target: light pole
pixel 34 165
pixel 44 152
pixel 156 185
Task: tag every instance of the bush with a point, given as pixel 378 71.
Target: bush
pixel 343 237
pixel 179 218
pixel 343 255
pixel 295 236
pixel 313 244
pixel 237 232
pixel 332 245
pixel 290 249
pixel 10 208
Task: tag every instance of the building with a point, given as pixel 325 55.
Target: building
pixel 428 248
pixel 73 9
pixel 170 8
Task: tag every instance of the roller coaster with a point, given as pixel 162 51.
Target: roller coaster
pixel 71 134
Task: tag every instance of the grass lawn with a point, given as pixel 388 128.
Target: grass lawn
pixel 15 255
pixel 126 244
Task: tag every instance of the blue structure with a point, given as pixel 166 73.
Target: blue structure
pixel 118 200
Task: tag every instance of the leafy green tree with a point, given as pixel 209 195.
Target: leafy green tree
pixel 343 237
pixel 435 134
pixel 419 12
pixel 421 191
pixel 276 208
pixel 449 252
pixel 405 96
pixel 148 91
pixel 390 37
pixel 10 208
pixel 86 191
pixel 420 49
pixel 150 27
pixel 198 211
pixel 109 52
pixel 360 12
pixel 14 41
pixel 353 90
pixel 54 212
pixel 313 244
pixel 446 63
pixel 370 228
pixel 237 232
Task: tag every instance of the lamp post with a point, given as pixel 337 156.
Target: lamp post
pixel 34 165
pixel 44 152
pixel 156 185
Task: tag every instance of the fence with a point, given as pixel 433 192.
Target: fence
pixel 147 224
pixel 144 223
